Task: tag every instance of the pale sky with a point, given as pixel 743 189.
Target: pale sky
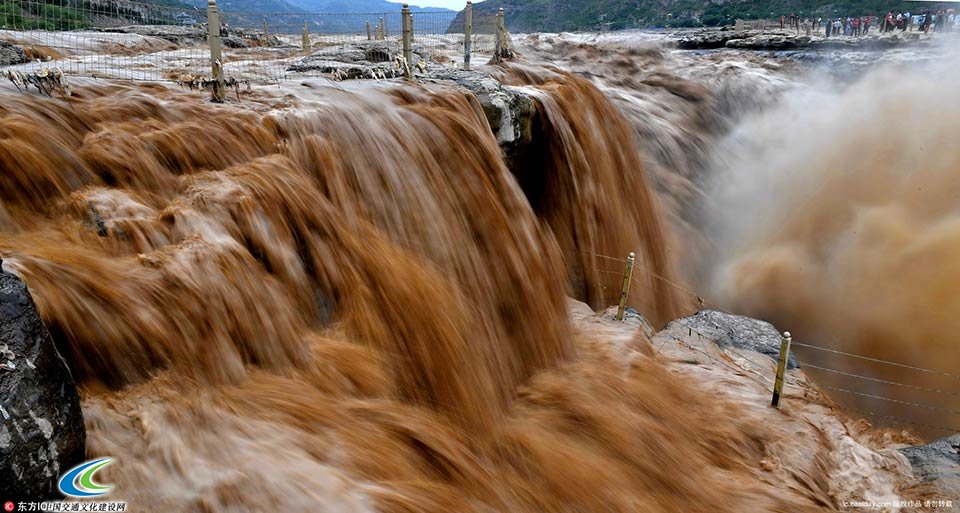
pixel 456 5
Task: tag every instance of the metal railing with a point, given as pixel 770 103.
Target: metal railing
pixel 119 39
pixel 123 40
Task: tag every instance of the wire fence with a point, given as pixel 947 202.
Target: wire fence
pixel 118 39
pixel 126 40
pixel 840 372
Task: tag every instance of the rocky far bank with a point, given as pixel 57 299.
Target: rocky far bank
pixel 712 39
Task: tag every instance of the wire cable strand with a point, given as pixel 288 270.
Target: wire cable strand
pixel 876 380
pixel 621 260
pixel 877 360
pixel 887 399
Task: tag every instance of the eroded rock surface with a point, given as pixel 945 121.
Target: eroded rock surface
pixel 937 464
pixel 11 54
pixel 508 109
pixel 41 426
pixel 737 331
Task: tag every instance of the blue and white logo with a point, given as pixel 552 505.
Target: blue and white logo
pixel 78 483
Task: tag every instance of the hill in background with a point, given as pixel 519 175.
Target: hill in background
pixel 284 15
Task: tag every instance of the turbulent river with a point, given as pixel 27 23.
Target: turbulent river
pixel 352 301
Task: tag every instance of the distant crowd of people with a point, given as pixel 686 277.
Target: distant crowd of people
pixel 856 26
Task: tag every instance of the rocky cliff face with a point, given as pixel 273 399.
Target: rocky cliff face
pixel 937 467
pixel 41 426
pixel 11 54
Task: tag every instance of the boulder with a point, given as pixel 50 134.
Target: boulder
pixel 41 426
pixel 738 331
pixel 708 39
pixel 508 109
pixel 364 59
pixel 937 464
pixel 769 42
pixel 176 34
pixel 234 42
pixel 11 54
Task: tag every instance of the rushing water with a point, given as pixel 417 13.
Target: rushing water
pixel 813 189
pixel 350 301
pixel 346 302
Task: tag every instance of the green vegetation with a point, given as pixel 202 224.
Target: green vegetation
pixel 80 14
pixel 566 15
pixel 19 15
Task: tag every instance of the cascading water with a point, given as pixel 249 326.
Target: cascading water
pixel 816 192
pixel 346 302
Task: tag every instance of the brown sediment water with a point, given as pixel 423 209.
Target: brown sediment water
pixel 847 234
pixel 349 304
pixel 591 189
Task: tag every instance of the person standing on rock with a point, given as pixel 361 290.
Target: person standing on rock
pixel 781 21
pixel 856 26
pixel 866 24
pixel 926 22
pixel 907 21
pixel 828 26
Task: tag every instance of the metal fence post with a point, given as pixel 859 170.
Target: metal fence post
pixel 406 24
pixel 305 39
pixel 216 53
pixel 781 368
pixel 501 32
pixel 467 34
pixel 625 289
pixel 369 37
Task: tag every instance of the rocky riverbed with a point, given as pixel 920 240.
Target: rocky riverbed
pixel 710 39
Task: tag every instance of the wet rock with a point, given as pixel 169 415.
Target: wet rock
pixel 41 427
pixel 176 34
pixel 780 40
pixel 738 331
pixel 508 109
pixel 365 59
pixel 937 464
pixel 710 39
pixel 348 71
pixel 234 42
pixel 11 54
pixel 769 42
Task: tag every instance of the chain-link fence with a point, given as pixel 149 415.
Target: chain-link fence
pixel 125 40
pixel 150 42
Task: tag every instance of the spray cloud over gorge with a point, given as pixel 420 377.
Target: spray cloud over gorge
pixel 835 212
